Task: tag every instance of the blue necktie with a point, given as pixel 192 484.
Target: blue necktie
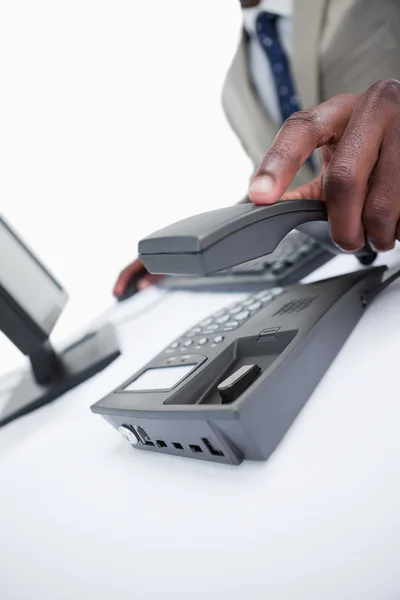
pixel 267 33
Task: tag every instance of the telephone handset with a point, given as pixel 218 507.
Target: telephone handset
pixel 219 239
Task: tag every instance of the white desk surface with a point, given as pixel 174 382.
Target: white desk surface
pixel 83 516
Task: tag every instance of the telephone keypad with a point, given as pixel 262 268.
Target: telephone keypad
pixel 226 319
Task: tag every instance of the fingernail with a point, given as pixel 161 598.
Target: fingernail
pixel 260 187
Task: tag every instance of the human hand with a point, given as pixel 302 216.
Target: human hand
pixel 359 137
pixel 135 268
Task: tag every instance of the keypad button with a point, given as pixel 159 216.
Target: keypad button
pixel 222 319
pixel 279 267
pixel 210 328
pixel 266 298
pixel 254 306
pixel 194 331
pixel 235 310
pixel 277 291
pixel 305 249
pixel 206 322
pixel 188 343
pixel 218 339
pixel 202 341
pixel 248 303
pixel 230 325
pixel 174 345
pixel 242 315
pixel 219 313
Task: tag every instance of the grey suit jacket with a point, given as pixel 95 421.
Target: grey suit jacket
pixel 338 46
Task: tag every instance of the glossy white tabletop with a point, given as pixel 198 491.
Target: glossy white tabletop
pixel 83 515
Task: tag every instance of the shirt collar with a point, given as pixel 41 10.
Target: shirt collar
pixel 283 8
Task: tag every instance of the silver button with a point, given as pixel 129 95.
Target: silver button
pixel 243 315
pixel 206 322
pixel 220 313
pixel 188 343
pixel 248 303
pixel 218 339
pixel 223 319
pixel 235 310
pixel 128 434
pixel 266 298
pixel 202 341
pixel 254 306
pixel 276 291
pixel 194 331
pixel 174 345
pixel 230 325
pixel 210 328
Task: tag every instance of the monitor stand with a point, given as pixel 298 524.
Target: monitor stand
pixel 53 374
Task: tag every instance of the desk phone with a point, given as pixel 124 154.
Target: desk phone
pixel 230 387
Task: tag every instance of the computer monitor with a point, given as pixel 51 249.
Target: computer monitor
pixel 31 301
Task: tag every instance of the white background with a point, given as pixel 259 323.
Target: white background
pixel 110 127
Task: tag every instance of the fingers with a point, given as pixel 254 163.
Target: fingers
pixel 382 208
pixel 347 178
pixel 148 280
pixel 125 276
pixel 308 191
pixel 314 189
pixel 300 135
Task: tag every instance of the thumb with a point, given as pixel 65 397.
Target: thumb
pixel 127 274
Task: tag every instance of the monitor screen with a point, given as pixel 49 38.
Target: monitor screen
pixel 28 282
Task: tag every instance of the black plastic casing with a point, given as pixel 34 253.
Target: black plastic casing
pixel 309 324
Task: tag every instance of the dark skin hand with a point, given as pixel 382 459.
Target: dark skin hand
pixel 359 137
pixel 126 275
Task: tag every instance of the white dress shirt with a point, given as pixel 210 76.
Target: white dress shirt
pixel 259 66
